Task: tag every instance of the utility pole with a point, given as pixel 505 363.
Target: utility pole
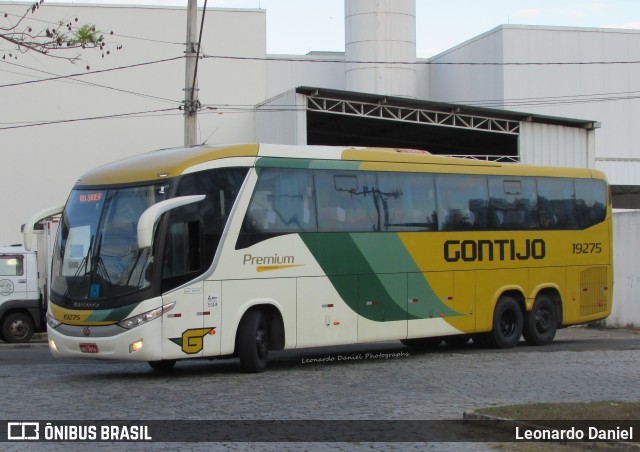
pixel 191 102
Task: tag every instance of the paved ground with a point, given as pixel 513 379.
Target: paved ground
pixel 392 383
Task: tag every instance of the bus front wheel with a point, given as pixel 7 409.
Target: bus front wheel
pixel 507 323
pixel 541 323
pixel 253 342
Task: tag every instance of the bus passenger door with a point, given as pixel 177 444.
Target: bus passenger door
pixel 382 306
pixel 182 328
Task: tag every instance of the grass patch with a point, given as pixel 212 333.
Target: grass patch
pixel 584 411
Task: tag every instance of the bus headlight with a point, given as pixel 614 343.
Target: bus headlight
pixel 145 317
pixel 51 321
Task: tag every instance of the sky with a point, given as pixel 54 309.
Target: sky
pixel 300 26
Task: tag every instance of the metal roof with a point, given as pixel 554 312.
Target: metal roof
pixel 460 110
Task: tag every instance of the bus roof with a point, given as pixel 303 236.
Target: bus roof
pixel 172 162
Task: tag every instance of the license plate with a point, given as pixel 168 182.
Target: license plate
pixel 89 348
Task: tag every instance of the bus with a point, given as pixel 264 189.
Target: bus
pixel 239 250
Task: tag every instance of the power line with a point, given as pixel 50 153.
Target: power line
pixel 81 74
pixel 139 114
pixel 85 82
pixel 419 62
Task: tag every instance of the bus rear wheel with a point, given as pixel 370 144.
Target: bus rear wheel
pixel 541 323
pixel 507 323
pixel 253 342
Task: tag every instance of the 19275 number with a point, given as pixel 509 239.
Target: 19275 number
pixel 587 248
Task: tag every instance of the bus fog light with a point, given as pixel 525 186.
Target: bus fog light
pixel 52 345
pixel 134 347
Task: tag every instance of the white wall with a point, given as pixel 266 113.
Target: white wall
pixel 551 145
pixel 468 83
pixel 559 90
pixel 626 278
pixel 568 84
pixel 41 164
pixel 282 74
pixel 282 119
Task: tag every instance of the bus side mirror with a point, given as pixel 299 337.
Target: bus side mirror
pixel 149 217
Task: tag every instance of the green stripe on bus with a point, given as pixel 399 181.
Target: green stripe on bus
pixel 111 315
pixel 370 272
pixel 290 163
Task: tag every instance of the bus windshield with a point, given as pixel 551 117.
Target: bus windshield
pixel 96 254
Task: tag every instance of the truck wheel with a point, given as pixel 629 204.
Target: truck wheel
pixel 17 327
pixel 541 323
pixel 253 342
pixel 507 323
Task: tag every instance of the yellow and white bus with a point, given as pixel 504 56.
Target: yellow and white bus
pixel 217 251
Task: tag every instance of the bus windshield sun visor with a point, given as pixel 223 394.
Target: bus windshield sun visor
pixel 151 215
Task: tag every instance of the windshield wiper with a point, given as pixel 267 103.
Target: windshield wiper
pixel 82 267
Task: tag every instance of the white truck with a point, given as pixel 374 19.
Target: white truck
pixel 24 275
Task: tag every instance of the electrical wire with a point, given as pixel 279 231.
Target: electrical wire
pixel 82 74
pixel 85 82
pixel 139 114
pixel 419 62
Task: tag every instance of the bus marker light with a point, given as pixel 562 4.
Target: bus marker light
pixel 336 323
pixel 327 305
pixel 372 303
pixel 413 300
pixel 134 347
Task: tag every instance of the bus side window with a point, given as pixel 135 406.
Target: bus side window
pixel 462 202
pixel 513 202
pixel 346 201
pixel 282 202
pixel 556 203
pixel 591 201
pixel 408 201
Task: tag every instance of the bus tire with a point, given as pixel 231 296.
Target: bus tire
pixel 541 323
pixel 164 365
pixel 253 342
pixel 17 328
pixel 507 323
pixel 423 342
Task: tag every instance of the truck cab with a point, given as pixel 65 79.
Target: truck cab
pixel 20 301
pixel 24 279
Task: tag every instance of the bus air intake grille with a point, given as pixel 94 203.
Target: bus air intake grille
pixel 593 291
